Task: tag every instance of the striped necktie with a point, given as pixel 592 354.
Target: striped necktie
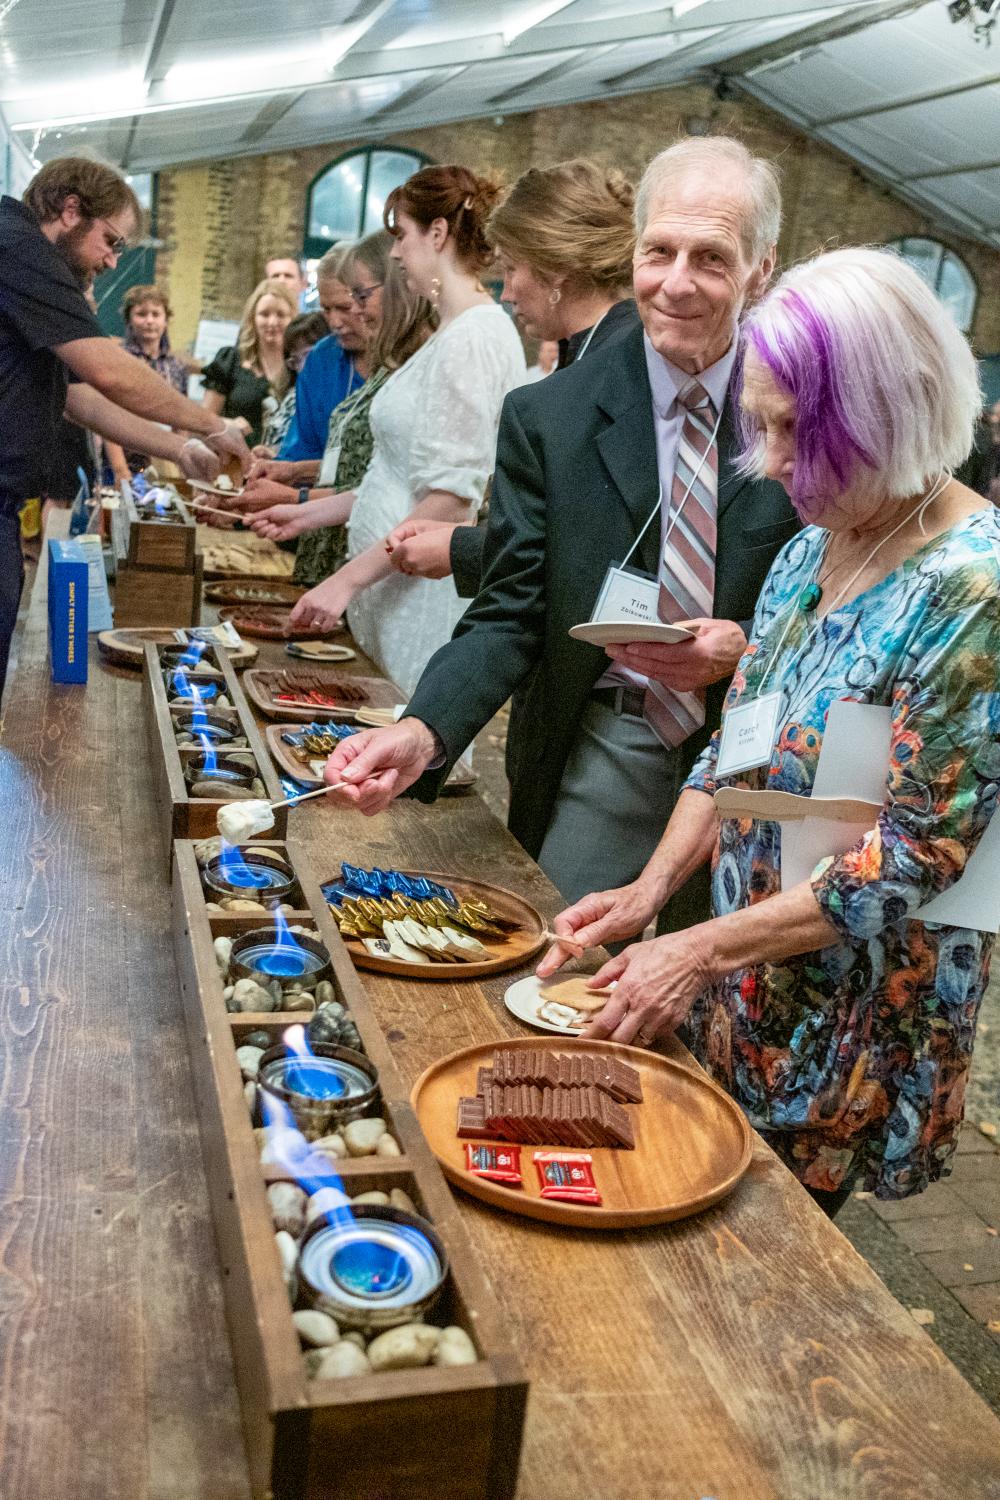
pixel 687 566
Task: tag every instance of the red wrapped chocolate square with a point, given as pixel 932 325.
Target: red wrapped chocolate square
pixel 498 1163
pixel 567 1176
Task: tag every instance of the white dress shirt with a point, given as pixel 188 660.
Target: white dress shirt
pixel 665 380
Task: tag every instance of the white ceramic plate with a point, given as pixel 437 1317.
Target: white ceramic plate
pixel 523 1000
pixel 319 651
pixel 624 632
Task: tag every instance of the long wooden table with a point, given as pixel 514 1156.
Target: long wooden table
pixel 748 1354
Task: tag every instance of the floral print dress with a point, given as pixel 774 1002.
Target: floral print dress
pixel 852 1060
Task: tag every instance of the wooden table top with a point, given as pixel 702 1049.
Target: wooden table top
pixel 748 1354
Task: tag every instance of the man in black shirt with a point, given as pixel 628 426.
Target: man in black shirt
pixel 74 221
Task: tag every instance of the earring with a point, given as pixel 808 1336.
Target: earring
pixel 435 291
pixel 555 297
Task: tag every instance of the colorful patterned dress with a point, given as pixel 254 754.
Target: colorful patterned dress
pixel 852 1060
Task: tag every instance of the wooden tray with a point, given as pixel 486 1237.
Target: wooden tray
pixel 269 623
pixel 519 947
pixel 126 648
pixel 423 1434
pixel 693 1143
pixel 461 778
pixel 253 593
pixel 379 693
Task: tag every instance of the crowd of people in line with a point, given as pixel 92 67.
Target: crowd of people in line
pixel 768 464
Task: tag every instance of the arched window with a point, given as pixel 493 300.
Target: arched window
pixel 346 199
pixel 944 273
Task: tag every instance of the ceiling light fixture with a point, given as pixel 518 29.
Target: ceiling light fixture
pixel 534 15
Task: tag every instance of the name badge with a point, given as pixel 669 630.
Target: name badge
pixel 627 594
pixel 748 735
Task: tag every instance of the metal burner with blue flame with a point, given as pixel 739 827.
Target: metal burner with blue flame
pixel 323 1087
pixel 211 767
pixel 267 953
pixel 185 688
pixel 216 725
pixel 259 876
pixel 372 1267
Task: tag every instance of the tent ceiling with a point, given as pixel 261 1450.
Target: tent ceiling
pixel 151 83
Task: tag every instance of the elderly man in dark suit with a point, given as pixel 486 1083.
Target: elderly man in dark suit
pixel 630 454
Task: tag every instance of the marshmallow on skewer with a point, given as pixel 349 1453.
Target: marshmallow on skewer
pixel 239 821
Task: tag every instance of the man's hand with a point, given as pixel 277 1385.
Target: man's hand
pixel 229 442
pixel 710 657
pixel 281 470
pixel 261 494
pixel 197 461
pixel 422 548
pixel 381 763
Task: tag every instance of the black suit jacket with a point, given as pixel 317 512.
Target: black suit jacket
pixel 575 481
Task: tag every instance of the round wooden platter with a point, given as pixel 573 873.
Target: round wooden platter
pixel 268 622
pixel 692 1142
pixel 511 952
pixel 376 690
pixel 278 594
pixel 461 778
pixel 125 648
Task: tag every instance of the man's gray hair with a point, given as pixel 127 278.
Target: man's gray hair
pixel 332 265
pixel 714 157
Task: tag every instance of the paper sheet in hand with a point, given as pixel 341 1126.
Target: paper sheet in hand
pixel 854 762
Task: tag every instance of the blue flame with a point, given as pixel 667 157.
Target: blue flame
pixel 290 1150
pixel 235 869
pixel 287 957
pixel 210 761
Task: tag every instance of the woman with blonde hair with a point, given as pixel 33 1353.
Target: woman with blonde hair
pixel 242 376
pixel 564 238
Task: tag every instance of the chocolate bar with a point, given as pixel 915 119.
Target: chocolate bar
pixel 574 1070
pixel 472 1120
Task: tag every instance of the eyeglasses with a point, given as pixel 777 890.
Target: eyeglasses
pixel 362 295
pixel 118 244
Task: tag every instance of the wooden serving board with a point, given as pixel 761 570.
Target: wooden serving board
pixel 126 648
pixel 787 807
pixel 253 593
pixel 461 778
pixel 377 692
pixel 693 1143
pixel 511 953
pixel 269 622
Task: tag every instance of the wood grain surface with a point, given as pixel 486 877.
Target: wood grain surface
pixel 746 1354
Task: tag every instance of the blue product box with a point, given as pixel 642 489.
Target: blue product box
pixel 68 595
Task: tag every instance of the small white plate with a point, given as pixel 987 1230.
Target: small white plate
pixel 213 489
pixel 523 1000
pixel 319 651
pixel 624 632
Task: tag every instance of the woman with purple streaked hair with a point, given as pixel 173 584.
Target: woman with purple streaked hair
pixel 841 1021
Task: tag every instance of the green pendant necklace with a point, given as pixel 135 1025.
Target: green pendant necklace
pixel 810 597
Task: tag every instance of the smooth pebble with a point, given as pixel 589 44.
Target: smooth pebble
pixel 316 1328
pixel 249 1060
pixel 362 1136
pixel 340 1362
pixel 454 1347
pixel 373 1197
pixel 288 1208
pixel 404 1348
pixel 387 1146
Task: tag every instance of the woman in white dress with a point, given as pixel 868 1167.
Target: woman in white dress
pixel 434 424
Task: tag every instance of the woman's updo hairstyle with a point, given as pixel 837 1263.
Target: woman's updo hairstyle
pixel 574 220
pixel 456 195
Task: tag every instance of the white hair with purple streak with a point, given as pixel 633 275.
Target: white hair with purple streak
pixel 886 387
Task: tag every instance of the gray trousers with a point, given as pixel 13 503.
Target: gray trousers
pixel 614 801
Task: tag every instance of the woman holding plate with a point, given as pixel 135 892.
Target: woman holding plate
pixel 841 1022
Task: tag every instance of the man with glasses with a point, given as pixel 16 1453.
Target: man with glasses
pixel 74 221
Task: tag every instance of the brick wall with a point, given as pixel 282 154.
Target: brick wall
pixel 222 221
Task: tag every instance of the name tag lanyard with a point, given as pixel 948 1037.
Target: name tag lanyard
pixel 673 518
pixel 748 729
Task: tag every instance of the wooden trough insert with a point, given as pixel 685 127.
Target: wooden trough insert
pixel 143 542
pixel 419 1434
pixel 182 816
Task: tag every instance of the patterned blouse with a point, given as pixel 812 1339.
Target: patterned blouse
pixel 322 552
pixel 852 1060
pixel 173 370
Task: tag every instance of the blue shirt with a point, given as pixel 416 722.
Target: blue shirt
pixel 327 376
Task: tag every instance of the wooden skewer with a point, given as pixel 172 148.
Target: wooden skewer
pixel 572 944
pixel 212 510
pixel 304 796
